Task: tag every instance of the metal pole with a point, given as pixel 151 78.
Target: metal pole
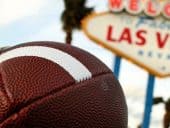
pixel 148 101
pixel 117 65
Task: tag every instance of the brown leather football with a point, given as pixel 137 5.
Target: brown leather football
pixel 53 85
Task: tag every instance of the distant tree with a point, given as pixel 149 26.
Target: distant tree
pixel 2 49
pixel 139 126
pixel 75 11
pixel 166 119
pixel 167 114
pixel 158 100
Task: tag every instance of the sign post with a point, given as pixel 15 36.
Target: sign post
pixel 148 101
pixel 117 65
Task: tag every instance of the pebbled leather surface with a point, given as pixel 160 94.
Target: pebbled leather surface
pixel 90 104
pixel 36 93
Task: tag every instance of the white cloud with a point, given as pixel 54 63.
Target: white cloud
pixel 12 10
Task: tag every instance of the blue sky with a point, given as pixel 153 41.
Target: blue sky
pixel 24 21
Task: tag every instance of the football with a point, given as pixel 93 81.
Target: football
pixel 54 85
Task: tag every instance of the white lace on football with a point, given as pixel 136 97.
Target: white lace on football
pixel 73 66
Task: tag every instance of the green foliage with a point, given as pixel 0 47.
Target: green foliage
pixel 75 11
pixel 158 100
pixel 2 49
pixel 167 105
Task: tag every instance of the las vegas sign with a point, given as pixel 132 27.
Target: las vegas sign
pixel 143 40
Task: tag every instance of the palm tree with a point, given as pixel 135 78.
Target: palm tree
pixel 75 11
pixel 166 119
